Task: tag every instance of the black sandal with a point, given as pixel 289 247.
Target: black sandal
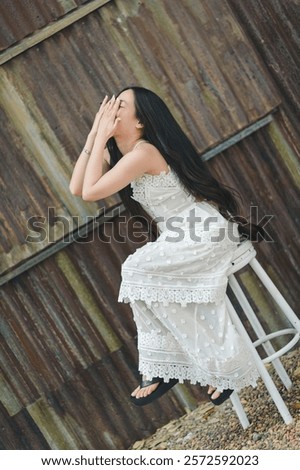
pixel 162 388
pixel 222 397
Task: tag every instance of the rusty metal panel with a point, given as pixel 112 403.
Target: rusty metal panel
pixel 35 175
pixel 273 26
pixel 60 311
pixel 268 179
pixel 97 401
pixel 67 346
pixel 19 18
pixel 50 93
pixel 20 432
pixel 68 354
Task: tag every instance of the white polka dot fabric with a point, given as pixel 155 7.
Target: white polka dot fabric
pixel 176 287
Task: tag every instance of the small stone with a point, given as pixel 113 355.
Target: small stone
pixel 296 373
pixel 188 437
pixel 138 445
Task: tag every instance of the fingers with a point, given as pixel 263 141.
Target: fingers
pixel 109 103
pixel 104 102
pixel 108 121
pixel 113 105
pixel 108 106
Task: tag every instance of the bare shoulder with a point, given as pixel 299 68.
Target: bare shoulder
pixel 155 161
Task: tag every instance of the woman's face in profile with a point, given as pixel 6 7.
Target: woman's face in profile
pixel 126 112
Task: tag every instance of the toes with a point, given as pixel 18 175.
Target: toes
pixel 135 392
pixel 212 391
pixel 149 390
pixel 215 395
pixel 144 392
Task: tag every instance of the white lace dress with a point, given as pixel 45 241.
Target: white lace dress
pixel 176 287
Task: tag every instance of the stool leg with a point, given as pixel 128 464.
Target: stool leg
pixel 258 329
pixel 238 407
pixel 271 387
pixel 277 296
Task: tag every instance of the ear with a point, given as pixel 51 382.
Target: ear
pixel 139 125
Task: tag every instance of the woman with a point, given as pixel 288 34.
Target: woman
pixel 176 283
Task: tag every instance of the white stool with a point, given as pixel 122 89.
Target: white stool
pixel 245 254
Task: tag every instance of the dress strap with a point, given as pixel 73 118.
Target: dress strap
pixel 139 142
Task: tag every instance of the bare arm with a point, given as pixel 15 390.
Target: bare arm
pixel 95 184
pixel 131 166
pixel 76 182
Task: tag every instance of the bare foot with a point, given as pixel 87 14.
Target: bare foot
pixel 145 391
pixel 212 391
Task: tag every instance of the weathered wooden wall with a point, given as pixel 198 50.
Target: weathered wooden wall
pixel 215 88
pixel 68 354
pixel 67 348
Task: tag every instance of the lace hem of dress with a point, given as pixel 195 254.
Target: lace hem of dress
pixel 130 293
pixel 197 376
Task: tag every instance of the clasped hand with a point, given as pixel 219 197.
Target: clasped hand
pixel 106 120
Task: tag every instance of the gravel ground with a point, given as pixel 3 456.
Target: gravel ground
pixel 211 427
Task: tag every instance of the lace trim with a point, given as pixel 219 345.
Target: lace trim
pixel 131 293
pixel 156 180
pixel 198 376
pixel 162 179
pixel 138 193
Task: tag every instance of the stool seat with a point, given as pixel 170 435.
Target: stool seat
pixel 245 254
pixel 242 256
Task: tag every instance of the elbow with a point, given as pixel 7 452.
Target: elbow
pixel 89 195
pixel 86 196
pixel 75 191
pixel 83 194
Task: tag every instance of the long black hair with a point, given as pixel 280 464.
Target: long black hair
pixel 162 130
